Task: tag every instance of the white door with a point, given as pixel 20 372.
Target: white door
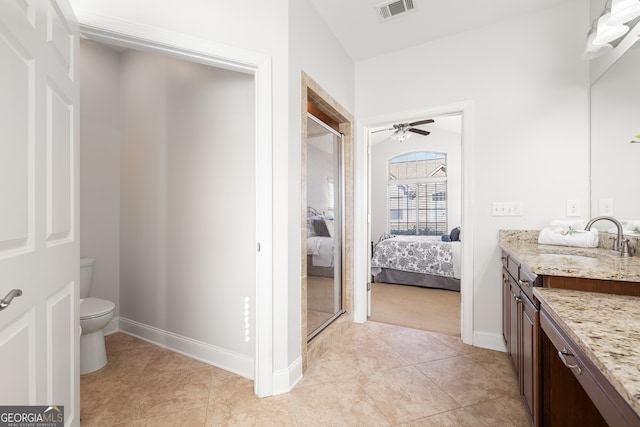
pixel 39 251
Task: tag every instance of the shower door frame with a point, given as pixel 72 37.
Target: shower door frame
pixel 340 229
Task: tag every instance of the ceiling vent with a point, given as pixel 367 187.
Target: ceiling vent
pixel 394 8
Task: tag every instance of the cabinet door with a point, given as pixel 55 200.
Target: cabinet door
pixel 514 325
pixel 530 337
pixel 506 305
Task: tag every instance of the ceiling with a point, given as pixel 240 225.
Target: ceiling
pixel 430 20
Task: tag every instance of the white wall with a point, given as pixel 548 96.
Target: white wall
pixel 529 94
pixel 320 167
pixel 100 168
pixel 440 141
pixel 188 201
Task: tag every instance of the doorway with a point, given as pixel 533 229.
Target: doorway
pixel 363 234
pixel 415 203
pixel 255 305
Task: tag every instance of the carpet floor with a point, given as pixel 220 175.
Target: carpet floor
pixel 434 310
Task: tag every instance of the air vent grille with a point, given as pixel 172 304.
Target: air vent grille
pixel 394 8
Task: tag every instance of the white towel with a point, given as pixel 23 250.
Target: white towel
pixel 563 236
pixel 577 224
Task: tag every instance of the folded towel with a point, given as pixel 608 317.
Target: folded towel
pixel 577 224
pixel 566 236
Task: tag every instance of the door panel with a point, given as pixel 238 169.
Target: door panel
pixel 59 167
pixel 16 161
pixel 39 253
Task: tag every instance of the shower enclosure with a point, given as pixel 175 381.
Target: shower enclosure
pixel 324 220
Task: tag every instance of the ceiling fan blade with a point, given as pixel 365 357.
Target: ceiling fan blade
pixel 420 131
pixel 381 130
pixel 421 122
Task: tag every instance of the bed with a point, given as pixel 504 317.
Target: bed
pixel 425 261
pixel 320 250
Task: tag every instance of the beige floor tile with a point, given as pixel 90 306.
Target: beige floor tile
pixel 504 411
pixel 467 382
pixel 272 411
pixel 366 379
pixel 121 341
pixel 164 393
pixel 456 418
pixel 191 417
pixel 335 404
pixel 332 366
pixel 404 394
pixel 229 388
pixel 456 344
pixel 419 346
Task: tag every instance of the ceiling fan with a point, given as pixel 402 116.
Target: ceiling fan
pixel 401 130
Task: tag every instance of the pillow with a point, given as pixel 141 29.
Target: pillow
pixel 455 234
pixel 446 238
pixel 320 227
pixel 328 221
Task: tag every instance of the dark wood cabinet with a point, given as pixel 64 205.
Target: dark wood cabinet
pixel 552 394
pixel 575 392
pixel 530 337
pixel 521 330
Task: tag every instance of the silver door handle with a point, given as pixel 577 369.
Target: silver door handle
pixel 4 303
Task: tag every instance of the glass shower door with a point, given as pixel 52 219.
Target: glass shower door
pixel 324 226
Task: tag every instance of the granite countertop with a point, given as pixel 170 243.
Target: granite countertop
pixel 607 329
pixel 590 263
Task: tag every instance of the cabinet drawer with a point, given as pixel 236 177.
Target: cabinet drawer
pixel 613 408
pixel 527 281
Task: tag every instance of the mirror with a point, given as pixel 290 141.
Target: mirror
pixel 615 122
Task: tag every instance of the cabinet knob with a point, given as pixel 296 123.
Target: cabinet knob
pixel 517 299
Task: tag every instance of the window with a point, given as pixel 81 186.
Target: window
pixel 417 194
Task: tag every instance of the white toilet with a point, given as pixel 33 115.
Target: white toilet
pixel 95 315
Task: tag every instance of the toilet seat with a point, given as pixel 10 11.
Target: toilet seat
pixel 90 308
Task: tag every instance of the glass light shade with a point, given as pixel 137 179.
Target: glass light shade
pixel 606 33
pixel 592 51
pixel 623 11
pixel 400 135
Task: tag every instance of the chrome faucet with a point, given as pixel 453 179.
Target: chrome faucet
pixel 622 244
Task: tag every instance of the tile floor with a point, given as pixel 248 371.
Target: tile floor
pixel 378 375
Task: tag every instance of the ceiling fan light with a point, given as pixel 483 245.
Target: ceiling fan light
pixel 623 11
pixel 605 32
pixel 400 135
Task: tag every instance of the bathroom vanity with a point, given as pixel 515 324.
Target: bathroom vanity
pixel 562 382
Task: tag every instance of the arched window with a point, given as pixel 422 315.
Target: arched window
pixel 417 194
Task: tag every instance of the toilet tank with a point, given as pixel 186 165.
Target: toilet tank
pixel 86 275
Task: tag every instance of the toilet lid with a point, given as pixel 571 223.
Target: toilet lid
pixel 95 307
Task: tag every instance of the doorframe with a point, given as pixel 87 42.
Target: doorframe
pixel 361 208
pixel 157 40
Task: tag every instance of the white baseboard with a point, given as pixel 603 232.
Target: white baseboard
pixel 224 359
pixel 489 340
pixel 285 379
